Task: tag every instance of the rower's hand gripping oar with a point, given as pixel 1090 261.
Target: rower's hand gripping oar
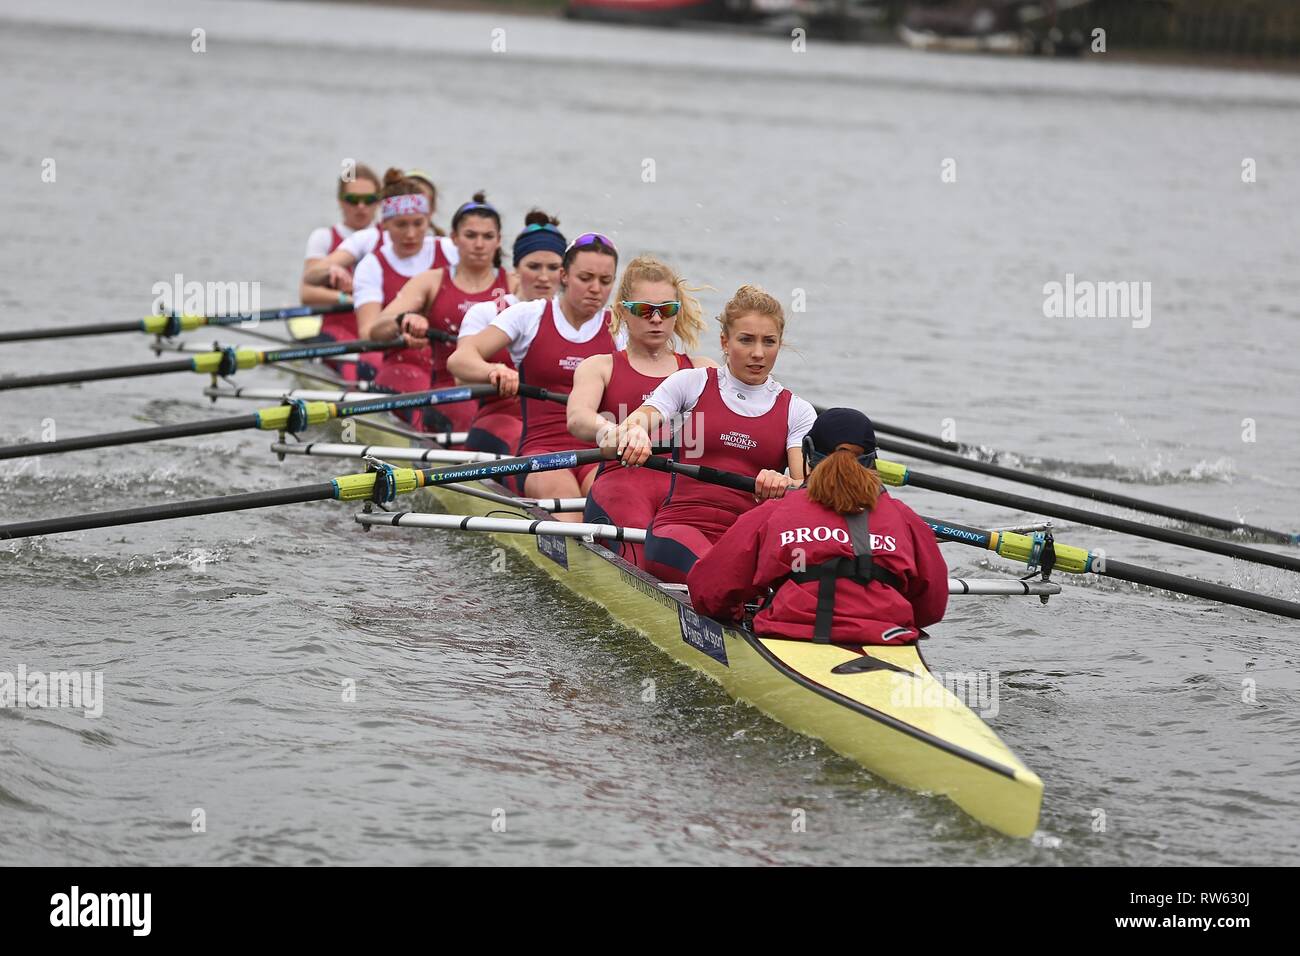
pixel 381 485
pixel 171 325
pixel 1031 549
pixel 222 362
pixel 293 416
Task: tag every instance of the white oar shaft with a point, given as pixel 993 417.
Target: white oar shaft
pixel 383 452
pixel 606 532
pixel 553 505
pixel 568 529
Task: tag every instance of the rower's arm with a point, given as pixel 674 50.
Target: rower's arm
pixel 590 379
pixel 647 417
pixel 367 319
pixel 319 295
pixel 794 461
pixel 927 591
pixel 319 274
pixel 413 297
pixel 469 362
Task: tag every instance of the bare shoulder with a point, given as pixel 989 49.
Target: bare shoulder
pixel 600 365
pixel 703 361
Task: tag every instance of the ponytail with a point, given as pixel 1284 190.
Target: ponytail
pixel 839 482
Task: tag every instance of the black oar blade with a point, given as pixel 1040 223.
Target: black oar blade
pixel 176 509
pixel 133 437
pixel 96 374
pixel 36 334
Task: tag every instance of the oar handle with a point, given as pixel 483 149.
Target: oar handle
pixel 727 479
pixel 542 394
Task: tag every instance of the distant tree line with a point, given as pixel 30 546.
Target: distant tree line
pixel 1268 28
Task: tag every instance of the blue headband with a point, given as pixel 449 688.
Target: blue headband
pixel 538 237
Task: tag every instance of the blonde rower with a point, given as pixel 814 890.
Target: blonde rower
pixel 738 418
pixel 660 314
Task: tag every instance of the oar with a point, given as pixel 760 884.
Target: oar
pixel 1087 491
pixel 295 415
pixel 607 532
pixel 391 482
pixel 892 473
pixel 1030 548
pixel 1021 547
pixel 908 433
pixel 217 362
pixel 170 324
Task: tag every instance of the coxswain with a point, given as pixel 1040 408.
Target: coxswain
pixel 663 322
pixel 538 252
pixel 734 418
pixel 437 300
pixel 842 559
pixel 547 340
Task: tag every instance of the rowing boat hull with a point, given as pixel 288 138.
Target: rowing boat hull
pixel 879 706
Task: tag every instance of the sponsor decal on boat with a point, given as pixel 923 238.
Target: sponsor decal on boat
pixel 704 634
pixel 647 588
pixel 555 547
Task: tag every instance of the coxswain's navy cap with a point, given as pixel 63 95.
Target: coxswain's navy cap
pixel 842 426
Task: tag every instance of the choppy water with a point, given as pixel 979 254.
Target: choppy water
pixel 225 641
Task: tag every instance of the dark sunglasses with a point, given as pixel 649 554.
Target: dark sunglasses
pixel 643 310
pixel 360 199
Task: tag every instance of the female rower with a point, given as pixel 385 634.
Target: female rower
pixel 845 561
pixel 403 249
pixel 547 340
pixel 437 300
pixel 660 313
pixel 358 197
pixel 736 418
pixel 538 252
pixel 335 270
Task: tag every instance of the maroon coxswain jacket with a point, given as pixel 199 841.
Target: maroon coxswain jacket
pixel 793 533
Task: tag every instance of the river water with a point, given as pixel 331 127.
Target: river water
pixel 481 695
